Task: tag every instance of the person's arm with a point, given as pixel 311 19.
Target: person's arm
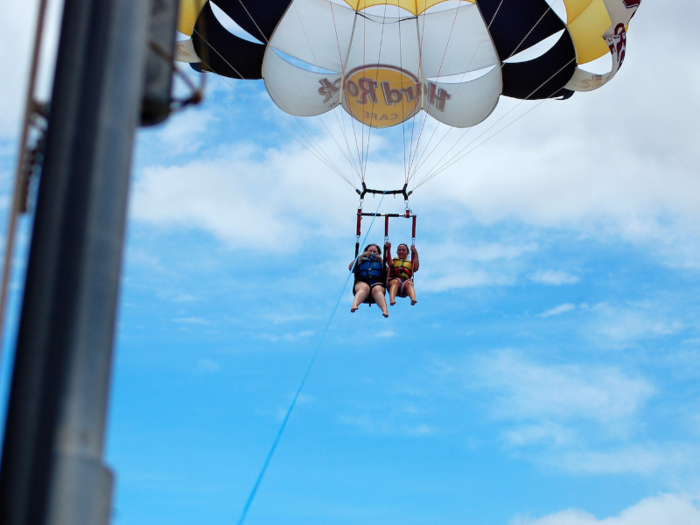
pixel 416 262
pixel 363 254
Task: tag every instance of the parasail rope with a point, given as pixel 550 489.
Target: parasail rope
pixel 283 425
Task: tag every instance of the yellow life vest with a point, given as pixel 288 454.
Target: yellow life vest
pixel 401 268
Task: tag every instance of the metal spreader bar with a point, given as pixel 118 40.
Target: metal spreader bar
pixel 365 191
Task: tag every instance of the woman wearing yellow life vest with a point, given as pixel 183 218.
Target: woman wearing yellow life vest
pixel 401 273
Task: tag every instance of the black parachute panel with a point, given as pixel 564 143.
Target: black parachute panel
pixel 516 25
pixel 544 76
pixel 257 18
pixel 223 53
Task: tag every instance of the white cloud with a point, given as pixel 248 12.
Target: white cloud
pixel 260 199
pixel 553 277
pixel 280 318
pixel 558 310
pixel 286 338
pixel 384 426
pixel 193 321
pixel 544 433
pixel 665 509
pixel 529 391
pixel 650 459
pixel 178 297
pixel 622 325
pixel 185 132
pixel 479 264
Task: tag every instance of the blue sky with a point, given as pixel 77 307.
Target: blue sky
pixel 547 376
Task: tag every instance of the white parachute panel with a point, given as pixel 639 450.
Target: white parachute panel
pixel 317 32
pixel 463 104
pixel 297 91
pixel 455 42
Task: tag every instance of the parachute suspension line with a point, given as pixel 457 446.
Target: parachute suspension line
pixel 365 151
pixel 301 139
pixel 19 186
pixel 457 156
pixel 420 161
pixel 345 152
pixel 343 61
pixel 283 425
pixel 364 99
pixel 415 115
pixel 430 96
pixel 310 144
pixel 403 110
pixel 465 153
pixel 423 158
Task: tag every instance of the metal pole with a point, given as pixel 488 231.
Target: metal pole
pixel 158 75
pixel 18 192
pixel 52 468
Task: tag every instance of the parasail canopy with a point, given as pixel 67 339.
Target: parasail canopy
pixel 384 61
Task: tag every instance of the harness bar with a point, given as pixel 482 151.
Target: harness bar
pixel 407 215
pixel 387 216
pixel 402 191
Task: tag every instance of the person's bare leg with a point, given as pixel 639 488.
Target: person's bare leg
pixel 411 292
pixel 378 296
pixel 361 293
pixel 393 290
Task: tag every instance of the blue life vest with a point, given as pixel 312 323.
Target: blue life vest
pixel 370 269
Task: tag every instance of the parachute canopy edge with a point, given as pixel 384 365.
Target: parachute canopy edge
pixel 189 11
pixel 414 7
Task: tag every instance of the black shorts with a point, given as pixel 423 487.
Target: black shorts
pixel 369 299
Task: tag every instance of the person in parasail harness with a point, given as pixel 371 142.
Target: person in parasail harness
pixel 370 279
pixel 401 273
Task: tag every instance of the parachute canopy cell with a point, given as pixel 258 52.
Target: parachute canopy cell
pixel 384 61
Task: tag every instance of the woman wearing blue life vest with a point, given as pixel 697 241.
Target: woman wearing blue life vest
pixel 401 272
pixel 370 278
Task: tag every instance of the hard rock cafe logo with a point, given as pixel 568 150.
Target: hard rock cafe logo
pixel 618 43
pixel 381 96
